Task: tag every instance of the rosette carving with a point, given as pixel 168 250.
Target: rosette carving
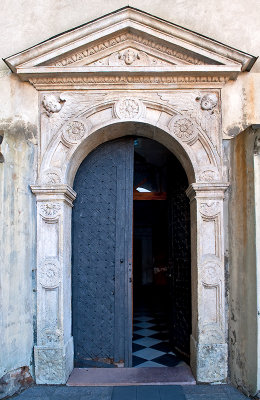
pixel 51 176
pixel 50 210
pixel 128 108
pixel 208 175
pixel 49 274
pixel 49 364
pixel 211 273
pixel 185 129
pixel 210 208
pixel 74 132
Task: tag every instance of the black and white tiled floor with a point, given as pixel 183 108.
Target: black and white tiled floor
pixel 151 340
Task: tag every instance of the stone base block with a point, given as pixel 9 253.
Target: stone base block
pixel 209 361
pixel 53 365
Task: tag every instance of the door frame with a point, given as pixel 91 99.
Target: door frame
pixel 54 349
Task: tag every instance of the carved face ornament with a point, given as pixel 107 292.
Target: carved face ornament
pixel 51 104
pixel 209 101
pixel 129 56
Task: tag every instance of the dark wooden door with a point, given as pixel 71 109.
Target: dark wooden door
pixel 179 260
pixel 102 256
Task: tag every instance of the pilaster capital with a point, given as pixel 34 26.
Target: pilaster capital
pixel 207 190
pixel 60 192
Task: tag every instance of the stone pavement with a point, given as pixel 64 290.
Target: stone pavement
pixel 189 392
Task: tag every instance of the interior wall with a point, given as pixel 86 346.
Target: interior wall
pixel 243 314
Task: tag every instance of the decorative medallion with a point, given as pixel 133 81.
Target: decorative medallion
pixel 51 176
pixel 49 365
pixel 74 131
pixel 210 273
pixel 49 210
pixel 128 108
pixel 208 176
pixel 184 128
pixel 210 208
pixel 49 274
pixel 209 101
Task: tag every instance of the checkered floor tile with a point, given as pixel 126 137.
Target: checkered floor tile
pixel 151 340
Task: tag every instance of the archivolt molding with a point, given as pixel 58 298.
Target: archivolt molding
pixel 178 114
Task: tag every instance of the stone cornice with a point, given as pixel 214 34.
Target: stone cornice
pixel 96 51
pixel 207 190
pixel 138 21
pixel 131 81
pixel 54 192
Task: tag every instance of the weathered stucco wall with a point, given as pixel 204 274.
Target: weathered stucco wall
pixel 25 23
pixel 17 235
pixel 243 273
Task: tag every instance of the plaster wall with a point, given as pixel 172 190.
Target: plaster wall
pixel 243 272
pixel 25 23
pixel 17 234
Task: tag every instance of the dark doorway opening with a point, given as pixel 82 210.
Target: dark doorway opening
pixel 161 258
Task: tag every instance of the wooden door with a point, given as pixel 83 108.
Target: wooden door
pixel 179 260
pixel 102 256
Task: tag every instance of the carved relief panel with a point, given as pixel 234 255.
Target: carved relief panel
pixel 190 117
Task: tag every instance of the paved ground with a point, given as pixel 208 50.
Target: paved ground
pixel 198 392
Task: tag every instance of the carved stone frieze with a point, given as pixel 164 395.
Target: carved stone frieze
pixel 73 105
pixel 126 79
pixel 210 208
pixel 128 108
pixel 130 57
pixel 49 274
pixel 202 108
pixel 105 44
pixel 74 131
pixel 50 209
pixel 184 128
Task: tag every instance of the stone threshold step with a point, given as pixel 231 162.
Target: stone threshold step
pixel 179 375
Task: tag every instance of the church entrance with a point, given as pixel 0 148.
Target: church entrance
pixel 131 257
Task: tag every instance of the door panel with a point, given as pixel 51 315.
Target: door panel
pixel 102 256
pixel 179 260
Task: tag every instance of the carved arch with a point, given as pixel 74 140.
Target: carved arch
pixel 101 122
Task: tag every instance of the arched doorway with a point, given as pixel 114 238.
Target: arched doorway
pixel 111 281
pixel 208 348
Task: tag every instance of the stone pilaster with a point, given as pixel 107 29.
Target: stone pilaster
pixel 208 339
pixel 54 350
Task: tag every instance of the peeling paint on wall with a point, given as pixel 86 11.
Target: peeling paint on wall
pixel 17 243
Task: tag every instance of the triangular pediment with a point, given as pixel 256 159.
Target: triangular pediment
pixel 129 41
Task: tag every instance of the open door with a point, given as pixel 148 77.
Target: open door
pixel 179 260
pixel 102 257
